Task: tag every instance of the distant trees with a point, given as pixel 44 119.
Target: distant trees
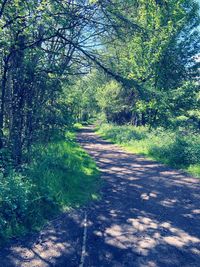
pixel 42 44
pixel 143 50
pixel 153 48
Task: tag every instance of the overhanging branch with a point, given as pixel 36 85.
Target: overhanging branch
pixel 128 83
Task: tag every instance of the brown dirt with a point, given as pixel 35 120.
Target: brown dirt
pixel 148 216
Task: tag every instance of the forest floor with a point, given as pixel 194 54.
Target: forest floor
pixel 148 216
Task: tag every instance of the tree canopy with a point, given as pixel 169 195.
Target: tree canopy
pixel 135 61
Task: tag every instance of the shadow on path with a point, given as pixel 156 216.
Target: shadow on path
pixel 149 216
pixel 57 245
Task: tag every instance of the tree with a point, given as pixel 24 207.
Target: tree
pixel 157 51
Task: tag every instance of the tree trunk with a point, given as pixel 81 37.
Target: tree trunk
pixel 17 103
pixel 3 91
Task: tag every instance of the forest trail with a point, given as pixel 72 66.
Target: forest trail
pixel 148 216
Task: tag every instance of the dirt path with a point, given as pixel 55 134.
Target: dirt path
pixel 149 215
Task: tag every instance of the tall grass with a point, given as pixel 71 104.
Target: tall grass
pixel 60 176
pixel 174 148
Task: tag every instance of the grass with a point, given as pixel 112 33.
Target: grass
pixel 59 177
pixel 177 149
pixel 66 172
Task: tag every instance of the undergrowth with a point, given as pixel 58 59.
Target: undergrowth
pixel 60 176
pixel 178 149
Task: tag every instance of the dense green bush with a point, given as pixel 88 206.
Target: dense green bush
pixel 179 151
pixel 175 148
pixel 64 172
pixel 123 134
pixel 59 176
pixel 15 199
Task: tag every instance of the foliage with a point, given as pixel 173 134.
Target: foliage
pixel 42 49
pixel 110 101
pixel 179 149
pixel 64 172
pixel 60 176
pixel 63 62
pixel 157 56
pixel 81 96
pixel 15 204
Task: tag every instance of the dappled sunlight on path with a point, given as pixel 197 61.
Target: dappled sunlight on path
pixel 149 214
pixel 58 244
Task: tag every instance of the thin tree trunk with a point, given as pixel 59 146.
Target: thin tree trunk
pixel 3 92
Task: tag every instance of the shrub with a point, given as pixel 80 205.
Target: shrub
pixel 15 197
pixel 64 172
pixel 59 176
pixel 179 149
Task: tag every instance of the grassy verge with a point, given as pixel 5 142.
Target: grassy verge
pixel 60 176
pixel 176 149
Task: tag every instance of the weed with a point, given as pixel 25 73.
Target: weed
pixel 177 149
pixel 60 175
